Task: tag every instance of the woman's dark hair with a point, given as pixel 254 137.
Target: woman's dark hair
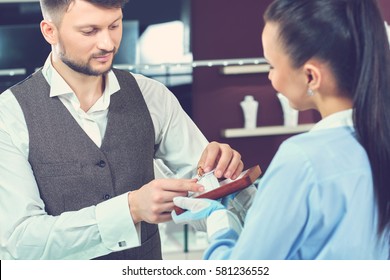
pixel 349 35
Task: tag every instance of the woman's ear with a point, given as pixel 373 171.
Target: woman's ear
pixel 313 75
pixel 49 31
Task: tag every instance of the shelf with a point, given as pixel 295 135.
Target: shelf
pixel 172 74
pixel 245 69
pixel 12 72
pixel 228 66
pixel 265 131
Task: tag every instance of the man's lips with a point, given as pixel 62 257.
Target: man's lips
pixel 103 58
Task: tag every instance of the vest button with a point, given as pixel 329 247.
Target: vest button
pixel 107 196
pixel 101 163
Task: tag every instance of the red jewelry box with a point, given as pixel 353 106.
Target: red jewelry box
pixel 228 186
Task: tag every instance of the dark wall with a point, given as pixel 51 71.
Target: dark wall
pixel 20 13
pixel 384 6
pixel 21 42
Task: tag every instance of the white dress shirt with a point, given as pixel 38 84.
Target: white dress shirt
pixel 27 231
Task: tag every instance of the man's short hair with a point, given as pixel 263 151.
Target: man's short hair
pixel 55 9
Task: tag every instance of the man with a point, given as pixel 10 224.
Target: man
pixel 77 143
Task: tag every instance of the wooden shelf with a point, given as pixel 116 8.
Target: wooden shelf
pixel 265 131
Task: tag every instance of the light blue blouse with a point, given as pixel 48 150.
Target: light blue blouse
pixel 315 201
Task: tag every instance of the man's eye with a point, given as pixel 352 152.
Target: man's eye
pixel 114 26
pixel 89 33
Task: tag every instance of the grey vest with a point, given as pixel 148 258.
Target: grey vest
pixel 72 172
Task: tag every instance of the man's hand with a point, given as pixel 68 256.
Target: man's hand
pixel 226 161
pixel 153 202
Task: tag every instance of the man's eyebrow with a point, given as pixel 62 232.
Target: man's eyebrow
pixel 95 25
pixel 119 18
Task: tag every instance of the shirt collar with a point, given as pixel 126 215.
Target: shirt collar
pixel 58 85
pixel 339 119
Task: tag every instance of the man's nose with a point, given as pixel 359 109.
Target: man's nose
pixel 105 41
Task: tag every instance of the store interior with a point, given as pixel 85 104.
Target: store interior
pixel 209 55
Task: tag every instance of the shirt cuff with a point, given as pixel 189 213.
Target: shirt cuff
pixel 115 224
pixel 222 220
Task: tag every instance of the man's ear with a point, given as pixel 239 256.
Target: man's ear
pixel 313 75
pixel 49 31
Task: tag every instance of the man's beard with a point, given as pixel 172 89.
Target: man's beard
pixel 85 68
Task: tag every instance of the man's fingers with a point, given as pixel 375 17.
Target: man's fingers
pixel 180 185
pixel 226 157
pixel 235 166
pixel 226 161
pixel 209 157
pixel 238 171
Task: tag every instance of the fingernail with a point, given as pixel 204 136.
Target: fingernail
pixel 228 174
pixel 207 169
pixel 218 174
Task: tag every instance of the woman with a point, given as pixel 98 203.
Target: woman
pixel 326 194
